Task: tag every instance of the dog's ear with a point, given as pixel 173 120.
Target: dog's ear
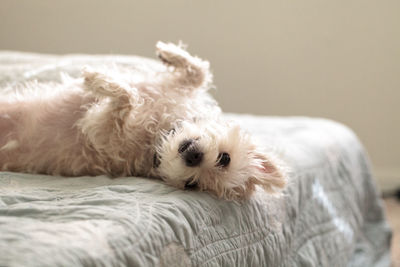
pixel 268 173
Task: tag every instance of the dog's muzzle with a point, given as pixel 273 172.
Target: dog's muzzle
pixel 190 153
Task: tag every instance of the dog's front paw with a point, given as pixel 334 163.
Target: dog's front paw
pixel 102 85
pixel 172 54
pixel 92 78
pixel 193 71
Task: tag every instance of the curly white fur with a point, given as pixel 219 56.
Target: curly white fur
pixel 111 123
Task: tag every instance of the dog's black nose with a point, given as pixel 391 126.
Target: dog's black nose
pixel 193 157
pixel 190 153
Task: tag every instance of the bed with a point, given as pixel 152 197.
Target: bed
pixel 329 215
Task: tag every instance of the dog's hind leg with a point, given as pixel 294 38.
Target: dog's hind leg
pixel 190 71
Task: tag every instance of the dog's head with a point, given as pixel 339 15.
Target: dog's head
pixel 215 156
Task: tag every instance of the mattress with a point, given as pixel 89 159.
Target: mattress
pixel 330 214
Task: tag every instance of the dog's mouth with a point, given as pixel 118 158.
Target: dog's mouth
pixel 191 184
pixel 156 160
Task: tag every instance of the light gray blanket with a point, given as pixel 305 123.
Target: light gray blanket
pixel 329 215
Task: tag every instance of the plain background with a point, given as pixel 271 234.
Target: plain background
pixel 334 59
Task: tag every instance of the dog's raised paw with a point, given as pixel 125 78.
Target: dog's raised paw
pixel 172 54
pixel 194 72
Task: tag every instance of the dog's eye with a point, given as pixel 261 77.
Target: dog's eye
pixel 171 132
pixel 223 159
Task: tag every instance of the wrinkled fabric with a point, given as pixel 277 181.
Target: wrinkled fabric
pixel 330 213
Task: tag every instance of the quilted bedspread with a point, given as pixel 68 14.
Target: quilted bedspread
pixel 329 215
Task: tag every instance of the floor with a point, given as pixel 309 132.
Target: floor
pixel 393 214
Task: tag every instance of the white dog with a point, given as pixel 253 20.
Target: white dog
pixel 161 125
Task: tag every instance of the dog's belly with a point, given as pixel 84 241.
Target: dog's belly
pixel 40 136
pixel 44 136
pixel 9 116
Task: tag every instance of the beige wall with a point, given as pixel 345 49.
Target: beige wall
pixel 338 59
